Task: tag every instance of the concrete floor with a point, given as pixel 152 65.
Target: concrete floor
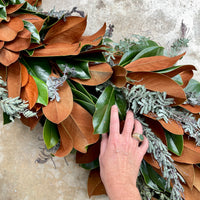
pixel 23 179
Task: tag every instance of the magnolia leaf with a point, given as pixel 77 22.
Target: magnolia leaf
pixel 34 2
pixel 57 49
pixel 152 63
pixel 35 37
pixel 6 118
pixel 57 112
pixel 69 31
pixel 13 8
pixel 90 107
pixel 30 92
pixel 197 177
pixel 193 109
pixel 101 117
pixel 149 51
pixel 99 73
pixel 190 194
pixel 81 68
pixel 9 30
pixel 121 103
pixel 187 172
pixel 151 160
pixel 90 57
pixel 1 44
pixel 14 80
pixel 77 131
pixel 42 91
pixel 8 57
pixel 92 154
pixel 24 75
pixel 193 86
pixel 90 166
pixel 159 82
pixel 95 185
pixel 3 14
pixel 50 134
pixel 174 143
pixel 21 42
pixel 3 72
pixel 119 76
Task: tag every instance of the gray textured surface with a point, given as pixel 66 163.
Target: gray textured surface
pixel 20 177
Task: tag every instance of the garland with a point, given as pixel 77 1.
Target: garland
pixel 50 72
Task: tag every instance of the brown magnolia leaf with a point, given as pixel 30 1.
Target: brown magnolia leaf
pixel 55 111
pixel 193 109
pixel 191 144
pixel 14 80
pixel 186 76
pixel 35 2
pixel 12 8
pixel 187 172
pixel 153 63
pixel 94 39
pixel 57 49
pixel 69 31
pixel 35 46
pixel 9 30
pixel 8 57
pixel 119 76
pixel 92 154
pixel 100 73
pixel 30 92
pixel 197 177
pixel 78 127
pixel 180 69
pixel 172 125
pixel 151 160
pixel 3 72
pixel 21 42
pixel 159 82
pixel 189 194
pixel 117 59
pixel 24 75
pixel 34 19
pixel 1 44
pixel 95 185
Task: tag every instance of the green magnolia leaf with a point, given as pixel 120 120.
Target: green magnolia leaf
pixel 13 2
pixel 50 134
pixel 168 69
pixel 101 117
pixel 90 57
pixel 3 14
pixel 152 178
pixel 149 51
pixel 88 106
pixel 6 118
pixel 121 103
pixel 35 36
pixel 38 67
pixel 42 91
pixel 174 143
pixel 81 68
pixel 133 51
pixel 92 165
pixel 193 86
pixel 29 52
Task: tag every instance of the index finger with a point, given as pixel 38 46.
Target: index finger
pixel 114 122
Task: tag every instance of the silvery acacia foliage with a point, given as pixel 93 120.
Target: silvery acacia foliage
pixel 13 106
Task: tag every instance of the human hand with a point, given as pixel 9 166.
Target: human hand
pixel 121 156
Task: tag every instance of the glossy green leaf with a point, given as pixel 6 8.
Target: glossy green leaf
pixel 38 67
pixel 3 14
pixel 88 106
pixel 81 68
pixel 193 86
pixel 152 178
pixel 121 103
pixel 133 51
pixel 35 36
pixel 174 143
pixel 29 52
pixel 50 134
pixel 92 165
pixel 13 2
pixel 149 51
pixel 42 91
pixel 168 69
pixel 101 117
pixel 6 118
pixel 90 57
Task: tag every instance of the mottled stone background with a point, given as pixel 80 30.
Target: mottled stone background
pixel 23 179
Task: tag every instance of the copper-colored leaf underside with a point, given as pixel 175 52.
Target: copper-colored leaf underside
pixel 159 82
pixel 3 72
pixel 197 177
pixel 30 92
pixel 189 194
pixel 1 44
pixel 55 111
pixel 8 57
pixel 149 159
pixel 95 185
pixel 78 127
pixel 153 63
pixel 68 31
pixel 57 49
pixel 33 2
pixel 186 76
pixel 12 8
pixel 14 80
pixel 100 73
pixel 119 76
pixel 9 30
pixel 21 42
pixel 193 109
pixel 24 75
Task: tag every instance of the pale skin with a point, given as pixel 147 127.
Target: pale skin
pixel 121 156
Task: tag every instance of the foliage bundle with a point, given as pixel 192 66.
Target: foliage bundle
pixel 50 71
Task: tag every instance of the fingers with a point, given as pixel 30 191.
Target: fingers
pixel 114 122
pixel 129 124
pixel 104 141
pixel 137 129
pixel 144 145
